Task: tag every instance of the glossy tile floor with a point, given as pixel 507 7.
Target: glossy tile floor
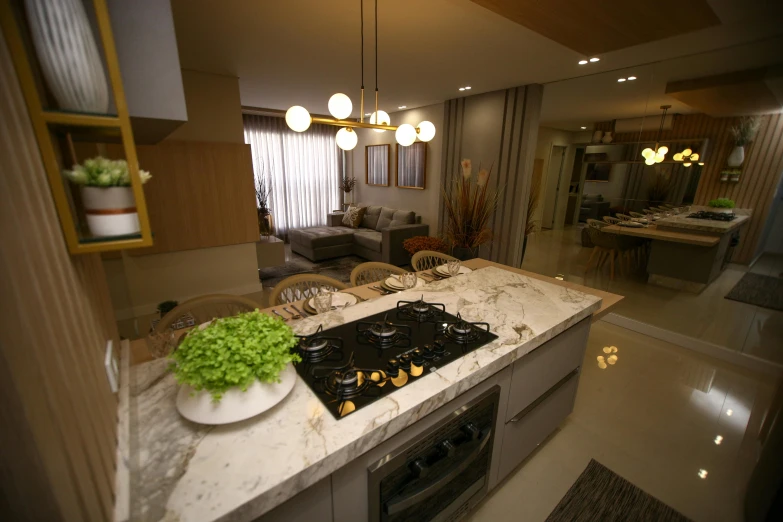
pixel 654 418
pixel 707 316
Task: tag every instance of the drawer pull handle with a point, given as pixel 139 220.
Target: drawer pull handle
pixel 545 396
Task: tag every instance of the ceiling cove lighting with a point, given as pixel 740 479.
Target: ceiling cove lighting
pixel 340 107
pixel 651 157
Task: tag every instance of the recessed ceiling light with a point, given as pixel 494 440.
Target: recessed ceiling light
pixel 620 80
pixel 718 439
pixel 462 88
pixel 467 87
pixel 583 128
pixel 582 62
pixel 729 412
pixel 594 59
pixel 367 113
pixel 402 107
pixel 703 473
pixel 631 78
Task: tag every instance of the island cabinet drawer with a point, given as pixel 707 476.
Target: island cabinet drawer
pixel 538 371
pixel 525 432
pixel 314 503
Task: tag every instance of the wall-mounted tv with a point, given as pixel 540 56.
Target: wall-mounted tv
pixel 598 172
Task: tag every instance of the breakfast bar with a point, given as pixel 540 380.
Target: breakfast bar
pixel 299 459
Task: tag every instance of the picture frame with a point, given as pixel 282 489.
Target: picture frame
pixel 412 166
pixel 377 165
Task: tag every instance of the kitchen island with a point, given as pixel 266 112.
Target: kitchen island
pixel 179 470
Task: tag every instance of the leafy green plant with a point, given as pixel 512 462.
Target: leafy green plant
pixel 102 172
pixel 234 352
pixel 745 130
pixel 166 307
pixel 721 203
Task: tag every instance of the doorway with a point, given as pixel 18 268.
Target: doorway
pixel 553 177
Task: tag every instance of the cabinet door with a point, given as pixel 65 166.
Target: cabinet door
pixel 538 371
pixel 314 503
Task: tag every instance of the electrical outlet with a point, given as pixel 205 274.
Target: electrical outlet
pixel 110 363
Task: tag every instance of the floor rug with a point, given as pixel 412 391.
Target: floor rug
pixel 759 290
pixel 601 494
pixel 338 268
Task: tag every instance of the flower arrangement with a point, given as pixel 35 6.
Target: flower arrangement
pixel 745 130
pixel 234 352
pixel 419 243
pixel 102 172
pixel 469 207
pixel 347 184
pixel 721 203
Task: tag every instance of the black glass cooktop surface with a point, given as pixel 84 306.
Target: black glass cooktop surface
pixel 354 364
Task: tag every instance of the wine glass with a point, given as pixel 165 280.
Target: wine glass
pixel 453 266
pixel 322 301
pixel 409 280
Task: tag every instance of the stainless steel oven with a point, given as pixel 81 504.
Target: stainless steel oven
pixel 442 473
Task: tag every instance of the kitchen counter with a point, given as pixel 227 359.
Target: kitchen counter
pixel 183 471
pixel 682 221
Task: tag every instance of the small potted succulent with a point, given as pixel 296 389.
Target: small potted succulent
pixel 234 368
pixel 107 195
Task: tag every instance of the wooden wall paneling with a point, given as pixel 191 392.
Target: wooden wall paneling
pixel 51 340
pixel 201 195
pixel 761 171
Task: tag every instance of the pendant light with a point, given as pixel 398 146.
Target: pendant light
pixel 340 107
pixel 651 157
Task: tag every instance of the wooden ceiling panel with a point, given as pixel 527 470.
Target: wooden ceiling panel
pixel 601 26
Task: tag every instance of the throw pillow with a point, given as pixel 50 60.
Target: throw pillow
pixel 353 216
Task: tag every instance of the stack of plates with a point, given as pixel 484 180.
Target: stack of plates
pixel 443 270
pixel 339 299
pixel 393 284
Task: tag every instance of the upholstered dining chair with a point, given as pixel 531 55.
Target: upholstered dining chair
pixel 373 272
pixel 596 224
pixel 203 309
pixel 428 259
pixel 611 220
pixel 302 286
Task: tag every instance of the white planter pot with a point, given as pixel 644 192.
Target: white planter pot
pixel 597 136
pixel 736 157
pixel 607 138
pixel 68 54
pixel 110 211
pixel 235 405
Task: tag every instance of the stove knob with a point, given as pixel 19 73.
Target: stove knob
pixel 418 468
pixel 418 357
pixel 438 347
pixel 405 361
pixel 447 448
pixel 428 353
pixel 393 367
pixel 471 431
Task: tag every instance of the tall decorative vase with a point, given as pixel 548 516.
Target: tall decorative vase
pixel 607 138
pixel 110 211
pixel 464 253
pixel 68 54
pixel 736 157
pixel 597 136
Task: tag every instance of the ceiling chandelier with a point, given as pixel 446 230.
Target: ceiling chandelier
pixel 340 107
pixel 651 157
pixel 688 156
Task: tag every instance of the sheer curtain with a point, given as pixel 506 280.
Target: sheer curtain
pixel 302 168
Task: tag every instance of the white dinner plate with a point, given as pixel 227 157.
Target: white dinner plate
pixel 443 270
pixel 396 284
pixel 631 224
pixel 339 299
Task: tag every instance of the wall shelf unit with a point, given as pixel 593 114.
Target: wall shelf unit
pixel 56 130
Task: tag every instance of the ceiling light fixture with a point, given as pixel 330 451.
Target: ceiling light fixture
pixel 703 473
pixel 729 412
pixel 620 80
pixel 583 128
pixel 467 87
pixel 687 156
pixel 631 78
pixel 582 62
pixel 651 157
pixel 402 107
pixel 340 107
pixel 594 59
pixel 718 439
pixel 462 88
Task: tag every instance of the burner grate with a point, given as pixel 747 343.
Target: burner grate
pixel 421 310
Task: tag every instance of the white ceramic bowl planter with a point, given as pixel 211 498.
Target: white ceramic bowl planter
pixel 110 211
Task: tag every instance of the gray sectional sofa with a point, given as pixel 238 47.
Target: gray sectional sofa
pixel 378 238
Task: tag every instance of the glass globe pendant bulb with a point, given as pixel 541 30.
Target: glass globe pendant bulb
pixel 406 134
pixel 686 164
pixel 648 153
pixel 687 152
pixel 659 158
pixel 426 131
pixel 663 149
pixel 346 138
pixel 649 161
pixel 382 118
pixel 297 118
pixel 340 106
pixel 677 156
pixel 694 157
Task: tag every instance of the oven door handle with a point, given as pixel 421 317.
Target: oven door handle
pixel 463 457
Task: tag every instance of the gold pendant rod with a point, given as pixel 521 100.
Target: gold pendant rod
pixel 361 108
pixel 349 123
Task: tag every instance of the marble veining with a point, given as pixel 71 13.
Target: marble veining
pixel 682 221
pixel 184 471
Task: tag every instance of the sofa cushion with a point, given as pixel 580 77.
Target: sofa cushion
pixel 371 215
pixel 369 239
pixel 317 237
pixel 353 216
pixel 387 214
pixel 391 217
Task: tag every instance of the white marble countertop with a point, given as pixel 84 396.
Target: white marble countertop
pixel 187 472
pixel 682 221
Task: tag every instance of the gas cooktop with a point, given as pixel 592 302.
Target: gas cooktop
pixel 354 364
pixel 714 216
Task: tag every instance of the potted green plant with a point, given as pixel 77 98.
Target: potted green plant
pixel 234 368
pixel 469 206
pixel 724 205
pixel 743 133
pixel 107 195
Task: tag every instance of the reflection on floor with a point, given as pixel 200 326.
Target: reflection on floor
pixel 707 316
pixel 660 416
